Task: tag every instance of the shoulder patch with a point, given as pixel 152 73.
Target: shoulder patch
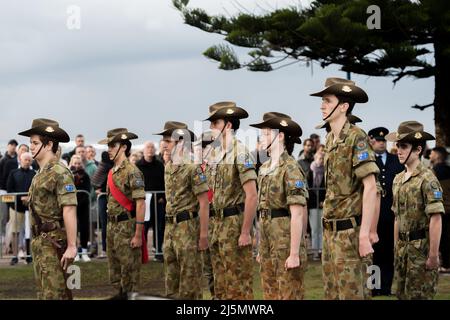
pixel 248 163
pixel 434 185
pixel 299 184
pixel 361 145
pixel 437 195
pixel 363 156
pixel 139 183
pixel 69 187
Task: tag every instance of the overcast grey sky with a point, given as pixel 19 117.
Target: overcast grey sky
pixel 135 64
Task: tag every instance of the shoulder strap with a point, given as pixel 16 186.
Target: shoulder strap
pixel 118 195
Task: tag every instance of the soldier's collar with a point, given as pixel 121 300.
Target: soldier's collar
pixel 418 169
pixel 122 165
pixel 50 164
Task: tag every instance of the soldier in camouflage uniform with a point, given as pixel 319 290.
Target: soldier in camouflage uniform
pixel 235 199
pixel 417 206
pixel 124 228
pixel 282 198
pixel 53 201
pixel 205 144
pixel 350 177
pixel 187 211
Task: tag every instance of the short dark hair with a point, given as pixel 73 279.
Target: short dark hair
pixel 289 144
pixel 417 144
pixel 348 100
pixel 13 141
pixel 235 123
pixel 308 140
pixel 314 136
pixel 442 152
pixel 79 136
pixel 79 147
pixel 128 149
pixel 46 140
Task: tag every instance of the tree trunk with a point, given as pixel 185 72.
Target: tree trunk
pixel 442 92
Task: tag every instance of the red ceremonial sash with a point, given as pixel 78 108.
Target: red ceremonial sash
pixel 129 205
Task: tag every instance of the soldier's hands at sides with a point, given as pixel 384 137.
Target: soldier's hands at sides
pixel 292 262
pixel 365 247
pixel 245 240
pixel 203 243
pixel 136 242
pixel 373 237
pixel 432 263
pixel 68 257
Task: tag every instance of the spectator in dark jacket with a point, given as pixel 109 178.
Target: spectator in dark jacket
pixel 153 171
pixel 9 154
pixel 79 142
pixel 19 180
pixel 316 182
pixel 99 182
pixel 438 159
pixel 82 183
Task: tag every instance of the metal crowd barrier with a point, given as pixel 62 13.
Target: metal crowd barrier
pixel 12 198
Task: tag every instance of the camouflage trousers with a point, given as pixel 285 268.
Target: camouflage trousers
pixel 274 249
pixel 49 275
pixel 207 265
pixel 182 260
pixel 344 271
pixel 124 261
pixel 413 280
pixel 232 265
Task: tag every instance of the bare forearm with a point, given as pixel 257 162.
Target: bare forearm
pixel 376 214
pixel 369 199
pixel 435 234
pixel 140 216
pixel 395 231
pixel 250 206
pixel 204 214
pixel 297 216
pixel 70 224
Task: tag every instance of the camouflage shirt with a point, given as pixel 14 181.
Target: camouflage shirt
pixel 347 162
pixel 234 168
pixel 183 184
pixel 130 181
pixel 52 188
pixel 416 199
pixel 281 186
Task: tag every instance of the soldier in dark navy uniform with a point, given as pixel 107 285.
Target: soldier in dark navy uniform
pixel 384 249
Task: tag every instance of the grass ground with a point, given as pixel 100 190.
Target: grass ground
pixel 18 282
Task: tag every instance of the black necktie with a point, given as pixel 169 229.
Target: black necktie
pixel 379 160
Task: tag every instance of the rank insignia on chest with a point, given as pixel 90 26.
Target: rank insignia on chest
pixel 69 187
pixel 299 184
pixel 437 194
pixel 363 156
pixel 248 164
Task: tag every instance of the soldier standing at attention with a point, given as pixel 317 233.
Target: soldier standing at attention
pixel 187 214
pixel 235 200
pixel 348 210
pixel 205 144
pixel 417 206
pixel 282 198
pixel 53 208
pixel 126 211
